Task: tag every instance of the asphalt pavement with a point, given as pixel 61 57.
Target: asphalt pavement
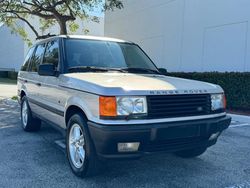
pixel 34 160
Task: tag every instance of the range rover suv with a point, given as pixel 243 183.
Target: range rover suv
pixel 111 101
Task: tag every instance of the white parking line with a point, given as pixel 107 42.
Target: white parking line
pixel 5 127
pixel 239 125
pixel 240 118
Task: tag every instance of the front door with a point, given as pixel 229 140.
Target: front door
pixel 52 96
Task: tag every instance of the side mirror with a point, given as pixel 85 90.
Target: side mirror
pixel 163 71
pixel 46 70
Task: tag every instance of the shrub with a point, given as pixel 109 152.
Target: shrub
pixel 14 98
pixel 12 75
pixel 236 86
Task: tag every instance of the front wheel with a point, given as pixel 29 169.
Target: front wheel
pixel 191 153
pixel 80 149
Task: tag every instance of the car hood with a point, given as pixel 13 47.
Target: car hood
pixel 135 84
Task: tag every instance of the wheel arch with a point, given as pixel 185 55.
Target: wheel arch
pixel 22 91
pixel 77 104
pixel 22 94
pixel 71 110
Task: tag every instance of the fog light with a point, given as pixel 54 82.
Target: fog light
pixel 128 147
pixel 214 136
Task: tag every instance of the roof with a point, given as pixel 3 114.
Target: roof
pixel 87 37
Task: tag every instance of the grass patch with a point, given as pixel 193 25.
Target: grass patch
pixel 14 98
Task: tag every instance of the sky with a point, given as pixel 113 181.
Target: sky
pixel 97 11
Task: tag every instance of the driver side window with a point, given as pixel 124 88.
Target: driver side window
pixel 51 55
pixel 37 57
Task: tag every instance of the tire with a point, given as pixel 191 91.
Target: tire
pixel 80 148
pixel 191 153
pixel 29 123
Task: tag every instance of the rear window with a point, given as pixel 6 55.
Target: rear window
pixel 25 65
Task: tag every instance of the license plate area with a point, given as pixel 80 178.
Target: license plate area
pixel 185 131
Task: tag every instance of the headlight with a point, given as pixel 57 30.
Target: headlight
pixel 218 102
pixel 131 105
pixel 122 106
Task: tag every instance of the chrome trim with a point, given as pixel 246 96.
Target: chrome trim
pixel 149 121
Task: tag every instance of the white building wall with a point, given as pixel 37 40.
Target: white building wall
pixel 187 35
pixel 11 50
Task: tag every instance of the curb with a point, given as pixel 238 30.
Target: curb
pixel 240 118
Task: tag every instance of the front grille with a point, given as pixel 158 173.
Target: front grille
pixel 169 106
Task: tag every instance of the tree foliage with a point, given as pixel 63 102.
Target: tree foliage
pixel 50 13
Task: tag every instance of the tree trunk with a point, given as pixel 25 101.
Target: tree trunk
pixel 63 27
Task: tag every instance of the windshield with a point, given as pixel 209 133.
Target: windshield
pixel 104 55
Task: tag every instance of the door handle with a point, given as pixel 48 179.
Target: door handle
pixel 25 81
pixel 38 84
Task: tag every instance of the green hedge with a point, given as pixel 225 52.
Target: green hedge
pixel 8 74
pixel 235 85
pixel 12 75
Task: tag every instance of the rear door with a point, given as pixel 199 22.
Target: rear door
pixel 33 79
pixel 23 74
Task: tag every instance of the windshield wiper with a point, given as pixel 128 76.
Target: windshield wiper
pixel 141 70
pixel 94 69
pixel 108 69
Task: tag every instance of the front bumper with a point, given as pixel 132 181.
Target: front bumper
pixel 169 137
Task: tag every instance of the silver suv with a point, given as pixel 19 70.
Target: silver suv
pixel 110 101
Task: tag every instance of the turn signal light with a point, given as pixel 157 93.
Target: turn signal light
pixel 107 106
